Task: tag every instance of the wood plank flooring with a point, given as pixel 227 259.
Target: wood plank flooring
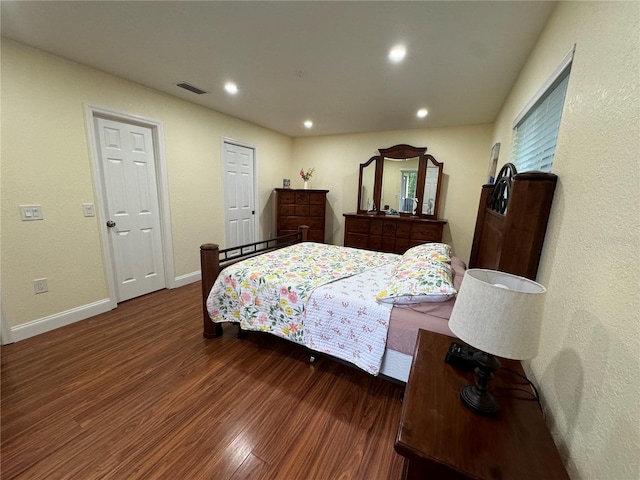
pixel 139 393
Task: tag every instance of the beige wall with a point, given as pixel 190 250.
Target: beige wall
pixel 588 365
pixel 463 150
pixel 46 160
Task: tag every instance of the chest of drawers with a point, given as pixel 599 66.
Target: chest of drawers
pixel 301 207
pixel 390 233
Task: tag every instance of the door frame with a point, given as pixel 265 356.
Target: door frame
pixel 162 185
pixel 256 223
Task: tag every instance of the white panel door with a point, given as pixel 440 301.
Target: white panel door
pixel 133 213
pixel 239 195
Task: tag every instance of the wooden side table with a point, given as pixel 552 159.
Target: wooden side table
pixel 441 439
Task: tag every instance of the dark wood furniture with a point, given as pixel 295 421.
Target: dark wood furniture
pixel 387 179
pixel 301 207
pixel 380 182
pixel 440 438
pixel 213 260
pixel 519 199
pixel 512 222
pixel 389 233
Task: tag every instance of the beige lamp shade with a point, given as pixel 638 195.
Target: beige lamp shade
pixel 499 313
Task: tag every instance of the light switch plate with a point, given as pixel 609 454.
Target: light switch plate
pixel 88 210
pixel 30 212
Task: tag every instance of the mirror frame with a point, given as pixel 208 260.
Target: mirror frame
pixel 377 185
pixel 436 201
pixel 400 152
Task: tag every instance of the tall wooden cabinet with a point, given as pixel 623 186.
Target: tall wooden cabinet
pixel 301 207
pixel 390 233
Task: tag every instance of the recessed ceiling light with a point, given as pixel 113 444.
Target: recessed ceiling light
pixel 397 53
pixel 422 113
pixel 231 88
pixel 308 124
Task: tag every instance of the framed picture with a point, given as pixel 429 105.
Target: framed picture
pixel 493 163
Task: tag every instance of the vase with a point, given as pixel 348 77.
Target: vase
pixel 306 185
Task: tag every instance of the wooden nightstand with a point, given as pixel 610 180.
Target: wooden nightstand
pixel 441 439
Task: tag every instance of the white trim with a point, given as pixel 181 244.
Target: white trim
pixel 7 337
pixel 165 209
pixel 46 324
pixel 100 201
pixel 188 278
pixel 566 62
pixel 163 191
pixel 256 233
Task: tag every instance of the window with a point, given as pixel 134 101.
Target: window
pixel 408 180
pixel 535 131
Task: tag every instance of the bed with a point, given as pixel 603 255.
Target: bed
pixel 338 300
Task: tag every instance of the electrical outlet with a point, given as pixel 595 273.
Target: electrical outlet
pixel 40 285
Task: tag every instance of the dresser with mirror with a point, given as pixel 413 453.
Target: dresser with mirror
pixel 398 199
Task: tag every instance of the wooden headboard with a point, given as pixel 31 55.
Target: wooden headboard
pixel 512 222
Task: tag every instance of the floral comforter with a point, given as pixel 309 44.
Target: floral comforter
pixel 269 292
pixel 344 320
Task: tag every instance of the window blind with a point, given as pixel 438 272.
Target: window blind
pixel 536 135
pixel 535 131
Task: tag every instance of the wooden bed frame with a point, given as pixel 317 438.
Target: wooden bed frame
pixel 510 229
pixel 212 260
pixel 512 222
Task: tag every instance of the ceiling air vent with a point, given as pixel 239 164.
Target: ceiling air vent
pixel 191 88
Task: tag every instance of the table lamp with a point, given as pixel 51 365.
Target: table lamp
pixel 499 314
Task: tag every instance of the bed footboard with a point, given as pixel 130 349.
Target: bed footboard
pixel 210 268
pixel 213 260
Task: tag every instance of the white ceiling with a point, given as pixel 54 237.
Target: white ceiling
pixel 292 61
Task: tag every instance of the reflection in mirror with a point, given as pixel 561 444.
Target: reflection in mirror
pixel 399 185
pixel 368 176
pixel 430 188
pixel 402 180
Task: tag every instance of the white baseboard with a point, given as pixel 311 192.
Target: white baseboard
pixel 7 338
pixel 46 324
pixel 183 280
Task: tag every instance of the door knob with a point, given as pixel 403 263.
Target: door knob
pixel 111 224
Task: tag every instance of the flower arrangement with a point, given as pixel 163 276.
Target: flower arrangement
pixel 306 176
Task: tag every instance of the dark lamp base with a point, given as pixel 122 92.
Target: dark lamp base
pixel 478 402
pixel 477 397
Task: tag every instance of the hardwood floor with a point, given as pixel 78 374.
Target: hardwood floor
pixel 139 393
